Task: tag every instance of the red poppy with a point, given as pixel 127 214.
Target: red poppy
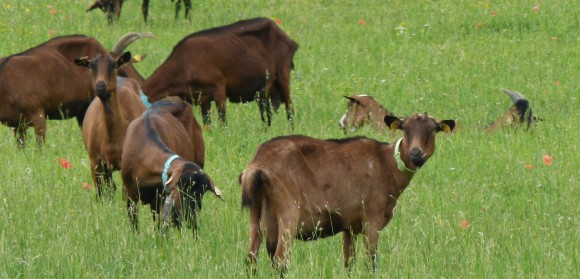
pixel 64 163
pixel 536 7
pixel 361 22
pixel 87 186
pixel 464 224
pixel 52 12
pixel 529 166
pixel 547 160
pixel 278 21
pixel 557 82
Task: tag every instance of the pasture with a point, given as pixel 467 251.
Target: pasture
pixel 486 205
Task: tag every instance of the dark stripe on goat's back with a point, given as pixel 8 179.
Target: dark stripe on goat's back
pixel 234 27
pixel 152 133
pixel 5 61
pixel 230 27
pixel 339 141
pixel 352 139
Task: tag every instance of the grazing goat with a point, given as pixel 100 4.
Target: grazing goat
pixel 163 157
pixel 113 8
pixel 245 61
pixel 518 114
pixel 306 188
pixel 364 110
pixel 108 116
pixel 43 82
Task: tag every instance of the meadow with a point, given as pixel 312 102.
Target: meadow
pixel 486 205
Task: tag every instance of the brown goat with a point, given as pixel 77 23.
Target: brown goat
pixel 108 116
pixel 518 114
pixel 113 8
pixel 43 82
pixel 306 188
pixel 245 61
pixel 364 110
pixel 162 161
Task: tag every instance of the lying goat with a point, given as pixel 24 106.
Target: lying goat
pixel 364 110
pixel 519 114
pixel 306 188
pixel 163 156
pixel 108 116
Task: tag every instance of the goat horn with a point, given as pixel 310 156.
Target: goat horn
pixel 127 39
pixel 515 96
pixel 353 99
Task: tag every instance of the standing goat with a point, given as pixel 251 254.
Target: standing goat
pixel 43 82
pixel 113 8
pixel 108 116
pixel 306 188
pixel 241 62
pixel 163 157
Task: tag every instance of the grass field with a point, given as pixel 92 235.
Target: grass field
pixel 486 205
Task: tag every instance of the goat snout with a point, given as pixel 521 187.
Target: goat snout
pixel 100 85
pixel 101 89
pixel 416 156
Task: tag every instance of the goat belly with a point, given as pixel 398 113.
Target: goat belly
pixel 316 228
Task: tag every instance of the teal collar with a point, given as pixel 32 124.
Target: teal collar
pixel 166 168
pixel 400 164
pixel 144 99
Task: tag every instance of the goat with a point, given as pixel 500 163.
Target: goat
pixel 162 161
pixel 113 8
pixel 518 114
pixel 108 116
pixel 364 110
pixel 43 82
pixel 244 61
pixel 306 188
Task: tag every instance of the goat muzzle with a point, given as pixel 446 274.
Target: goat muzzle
pixel 417 156
pixel 101 89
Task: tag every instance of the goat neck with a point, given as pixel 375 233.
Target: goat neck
pixel 402 159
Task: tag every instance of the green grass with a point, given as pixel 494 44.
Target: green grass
pixel 449 58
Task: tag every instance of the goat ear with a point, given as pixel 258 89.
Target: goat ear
pixel 393 122
pixel 445 126
pixel 83 61
pixel 126 57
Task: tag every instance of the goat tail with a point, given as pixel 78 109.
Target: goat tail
pixel 127 39
pixel 252 181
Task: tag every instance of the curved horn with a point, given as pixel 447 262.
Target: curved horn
pixel 127 39
pixel 515 96
pixel 353 99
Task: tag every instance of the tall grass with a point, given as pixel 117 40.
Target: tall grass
pixel 485 206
